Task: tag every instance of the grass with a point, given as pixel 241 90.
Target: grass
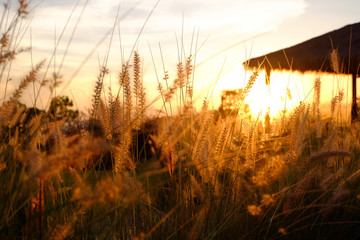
pixel 116 173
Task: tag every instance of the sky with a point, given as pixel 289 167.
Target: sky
pixel 222 33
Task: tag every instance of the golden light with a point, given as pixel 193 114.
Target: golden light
pixel 287 89
pixel 261 98
pixel 273 98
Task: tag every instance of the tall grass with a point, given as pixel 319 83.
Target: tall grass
pixel 196 175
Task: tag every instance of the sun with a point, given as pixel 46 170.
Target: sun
pixel 281 94
pixel 271 98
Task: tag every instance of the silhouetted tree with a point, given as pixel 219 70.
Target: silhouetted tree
pixel 59 109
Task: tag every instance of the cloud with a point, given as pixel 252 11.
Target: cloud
pixel 221 18
pixel 228 21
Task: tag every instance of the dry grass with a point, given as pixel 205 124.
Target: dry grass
pixel 119 174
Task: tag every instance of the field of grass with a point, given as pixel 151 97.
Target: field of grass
pixel 118 174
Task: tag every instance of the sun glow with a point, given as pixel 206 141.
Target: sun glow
pixel 262 98
pixel 287 89
pixel 273 98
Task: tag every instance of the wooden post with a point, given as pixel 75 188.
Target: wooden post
pixel 267 76
pixel 354 107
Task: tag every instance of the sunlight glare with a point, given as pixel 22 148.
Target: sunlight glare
pixel 287 89
pixel 263 98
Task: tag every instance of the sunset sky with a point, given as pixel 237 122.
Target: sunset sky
pixel 231 31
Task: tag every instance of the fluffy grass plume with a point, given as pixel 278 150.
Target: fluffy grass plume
pixel 120 172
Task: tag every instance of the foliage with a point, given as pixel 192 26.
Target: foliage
pixel 59 109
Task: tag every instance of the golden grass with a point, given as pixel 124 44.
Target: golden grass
pixel 119 174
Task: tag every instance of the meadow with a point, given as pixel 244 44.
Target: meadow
pixel 116 173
